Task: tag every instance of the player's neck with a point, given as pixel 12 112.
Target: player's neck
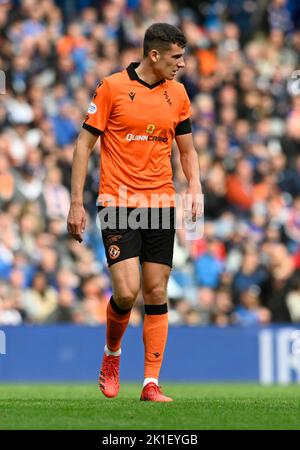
pixel 146 73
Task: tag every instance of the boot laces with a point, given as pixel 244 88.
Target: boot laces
pixel 111 367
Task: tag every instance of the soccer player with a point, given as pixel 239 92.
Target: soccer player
pixel 137 113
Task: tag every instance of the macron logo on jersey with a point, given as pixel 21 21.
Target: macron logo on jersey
pixel 92 108
pixel 131 95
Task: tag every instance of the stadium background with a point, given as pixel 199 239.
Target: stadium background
pixel 240 57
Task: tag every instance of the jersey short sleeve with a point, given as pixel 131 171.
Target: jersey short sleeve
pixel 99 109
pixel 185 112
pixel 184 124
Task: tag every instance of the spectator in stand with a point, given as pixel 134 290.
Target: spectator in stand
pixel 208 266
pixel 249 310
pixel 293 299
pixel 7 181
pixel 251 273
pixel 40 300
pixel 56 196
pixel 240 187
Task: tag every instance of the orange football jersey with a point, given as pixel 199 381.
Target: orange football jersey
pixel 137 123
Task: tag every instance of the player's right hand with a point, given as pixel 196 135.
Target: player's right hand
pixel 76 221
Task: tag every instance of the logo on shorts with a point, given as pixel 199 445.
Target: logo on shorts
pixel 113 238
pixel 92 108
pixel 156 354
pixel 114 251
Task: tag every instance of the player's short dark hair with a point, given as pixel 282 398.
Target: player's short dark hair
pixel 161 35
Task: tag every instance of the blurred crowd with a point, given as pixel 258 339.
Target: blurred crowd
pixel 240 61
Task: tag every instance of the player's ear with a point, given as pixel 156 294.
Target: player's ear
pixel 154 55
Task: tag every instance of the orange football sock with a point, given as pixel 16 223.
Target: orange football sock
pixel 155 333
pixel 116 323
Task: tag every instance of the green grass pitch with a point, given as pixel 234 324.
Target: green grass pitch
pixel 195 406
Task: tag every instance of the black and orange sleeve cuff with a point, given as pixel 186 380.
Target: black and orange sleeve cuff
pixel 91 129
pixel 183 127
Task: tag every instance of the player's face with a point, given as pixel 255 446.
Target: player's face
pixel 170 61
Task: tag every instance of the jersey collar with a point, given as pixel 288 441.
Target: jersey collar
pixel 134 76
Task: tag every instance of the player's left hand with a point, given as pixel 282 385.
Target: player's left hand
pixel 195 200
pixel 76 221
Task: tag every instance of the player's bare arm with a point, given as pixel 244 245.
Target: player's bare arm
pixel 190 167
pixel 77 218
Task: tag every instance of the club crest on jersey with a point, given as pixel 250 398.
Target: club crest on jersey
pixel 150 128
pixel 131 95
pixel 92 108
pixel 114 251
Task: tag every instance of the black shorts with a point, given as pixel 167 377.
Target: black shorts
pixel 144 232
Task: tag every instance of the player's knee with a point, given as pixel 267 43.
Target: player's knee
pixel 155 296
pixel 126 301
